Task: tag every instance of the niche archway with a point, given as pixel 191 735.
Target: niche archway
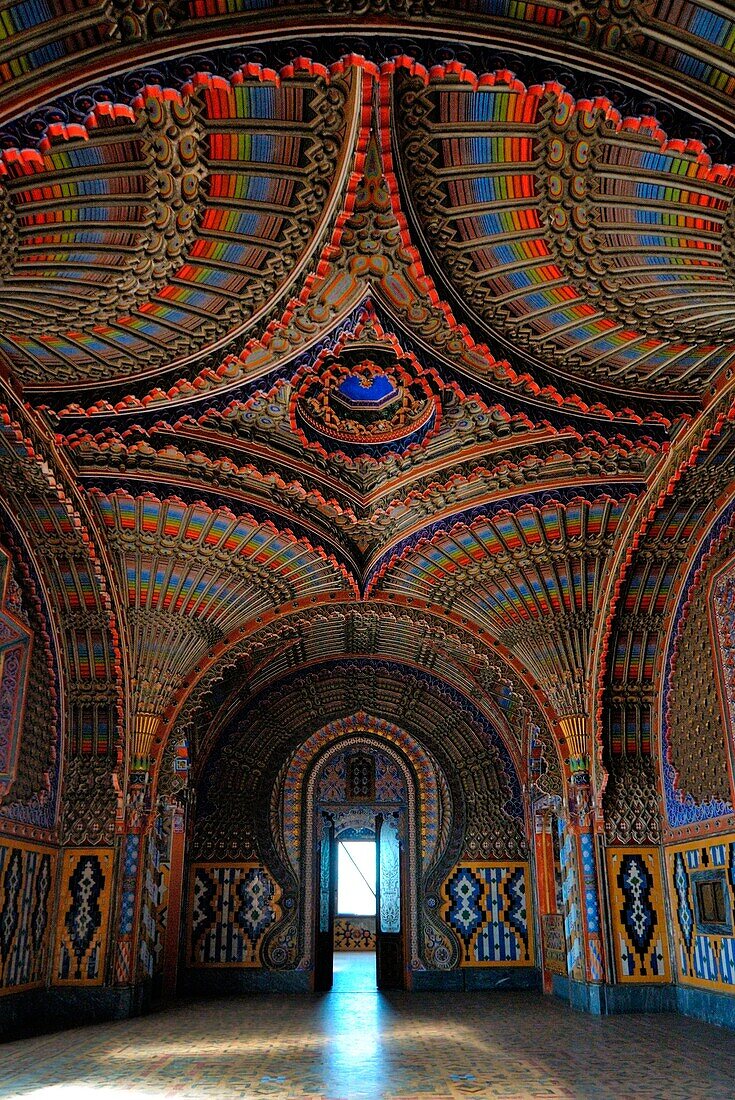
pixel 409 783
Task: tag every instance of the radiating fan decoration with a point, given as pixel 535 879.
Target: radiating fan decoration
pixel 366 395
pixel 591 239
pixel 151 230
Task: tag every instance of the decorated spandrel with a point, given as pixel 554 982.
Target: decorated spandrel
pixel 389 867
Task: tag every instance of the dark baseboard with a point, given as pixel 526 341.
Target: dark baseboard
pixel 225 981
pixel 476 978
pixel 35 1011
pixel 612 1000
pixel 714 1008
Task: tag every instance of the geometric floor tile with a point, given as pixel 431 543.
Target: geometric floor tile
pixel 374 1046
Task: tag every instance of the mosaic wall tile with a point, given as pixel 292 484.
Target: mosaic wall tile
pixel 638 915
pixel 488 906
pixel 230 910
pixel 354 934
pixel 154 906
pixel 125 932
pixel 84 910
pixel 573 915
pixel 554 943
pixel 704 952
pixel 27 875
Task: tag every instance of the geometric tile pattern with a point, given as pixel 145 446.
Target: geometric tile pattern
pixel 84 907
pixel 154 907
pixel 231 909
pixel 706 958
pixel 354 934
pixel 131 860
pixel 638 915
pixel 488 906
pixel 591 905
pixel 27 876
pixel 572 908
pixel 365 1046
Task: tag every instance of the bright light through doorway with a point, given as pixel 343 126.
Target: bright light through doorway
pixel 356 878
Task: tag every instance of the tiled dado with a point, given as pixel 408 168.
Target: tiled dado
pixel 27 880
pixel 638 915
pixel 488 905
pixel 704 951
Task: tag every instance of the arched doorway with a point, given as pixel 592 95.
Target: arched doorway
pixel 365 779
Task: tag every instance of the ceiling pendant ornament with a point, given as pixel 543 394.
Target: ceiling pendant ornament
pixel 365 397
pixel 359 404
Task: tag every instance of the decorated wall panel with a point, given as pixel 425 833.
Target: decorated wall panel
pixel 701 880
pixel 230 910
pixel 83 916
pixel 554 943
pixel 638 915
pixel 488 906
pixel 30 721
pixel 354 934
pixel 696 765
pixel 129 881
pixel 27 877
pixel 571 900
pixel 154 905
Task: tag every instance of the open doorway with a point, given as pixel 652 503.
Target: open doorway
pixel 363 887
pixel 354 925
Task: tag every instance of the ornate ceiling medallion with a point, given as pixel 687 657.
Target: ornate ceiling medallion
pixel 365 400
pixel 365 397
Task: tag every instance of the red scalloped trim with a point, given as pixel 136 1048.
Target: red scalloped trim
pixel 230 370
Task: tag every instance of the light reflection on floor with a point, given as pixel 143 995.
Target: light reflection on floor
pixel 354 972
pixel 373 1046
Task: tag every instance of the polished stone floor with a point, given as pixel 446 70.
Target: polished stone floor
pixel 371 1046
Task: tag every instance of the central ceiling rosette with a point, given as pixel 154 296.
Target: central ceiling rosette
pixel 368 398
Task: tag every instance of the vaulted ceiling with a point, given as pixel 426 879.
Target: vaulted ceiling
pixel 398 332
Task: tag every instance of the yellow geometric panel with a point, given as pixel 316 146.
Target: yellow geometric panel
pixel 84 909
pixel 488 906
pixel 232 907
pixel 638 916
pixel 704 943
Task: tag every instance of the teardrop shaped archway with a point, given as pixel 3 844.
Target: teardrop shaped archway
pixel 405 805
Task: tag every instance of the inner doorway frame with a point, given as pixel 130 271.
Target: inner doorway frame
pixel 411 856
